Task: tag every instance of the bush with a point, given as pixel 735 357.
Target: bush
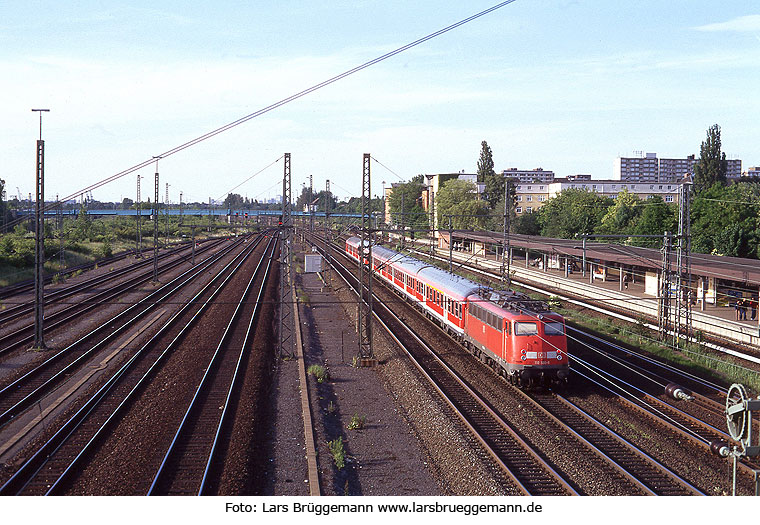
pixel 319 372
pixel 338 452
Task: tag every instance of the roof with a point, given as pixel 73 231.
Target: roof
pixel 718 266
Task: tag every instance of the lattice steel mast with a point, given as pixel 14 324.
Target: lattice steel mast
pixel 364 320
pixel 39 241
pixel 684 299
pixel 286 346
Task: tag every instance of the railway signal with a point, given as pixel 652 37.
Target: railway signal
pixel 739 408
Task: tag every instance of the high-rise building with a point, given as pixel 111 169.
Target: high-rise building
pixel 637 169
pixel 651 169
pixel 536 175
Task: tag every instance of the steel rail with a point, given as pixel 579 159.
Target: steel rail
pixel 80 308
pixel 552 482
pixel 18 387
pixel 701 441
pixel 200 399
pixel 24 475
pixel 68 473
pixel 54 296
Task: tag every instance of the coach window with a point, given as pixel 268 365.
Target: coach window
pixel 506 326
pixel 499 322
pixel 523 328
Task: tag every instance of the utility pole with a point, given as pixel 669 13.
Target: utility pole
pixel 451 247
pixel 683 301
pixel 432 222
pixel 286 347
pixel 403 222
pixel 364 319
pixel 328 232
pixel 155 228
pixel 166 212
pixel 506 249
pixel 311 207
pixel 138 237
pixel 39 242
pixel 62 246
pixel 665 287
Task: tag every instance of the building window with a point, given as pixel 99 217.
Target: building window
pixel 528 209
pixel 518 210
pixel 668 198
pixel 529 198
pixel 519 198
pixel 542 198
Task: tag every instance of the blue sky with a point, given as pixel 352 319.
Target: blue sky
pixel 564 85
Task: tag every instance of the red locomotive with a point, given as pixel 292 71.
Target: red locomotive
pixel 520 337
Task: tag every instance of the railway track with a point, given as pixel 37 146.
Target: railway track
pixel 58 463
pixel 100 292
pixel 525 469
pixel 650 475
pixel 30 388
pixel 193 455
pixel 21 308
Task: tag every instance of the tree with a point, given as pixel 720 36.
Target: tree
pixel 711 166
pixel 494 183
pixel 622 215
pixel 724 220
pixel 127 203
pixel 656 218
pixel 485 163
pixel 406 198
pixel 572 212
pixel 233 201
pixel 458 199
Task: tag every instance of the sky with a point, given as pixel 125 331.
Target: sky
pixel 559 84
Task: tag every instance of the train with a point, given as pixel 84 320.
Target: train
pixel 519 337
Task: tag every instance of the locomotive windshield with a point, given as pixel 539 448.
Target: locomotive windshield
pixel 526 328
pixel 553 328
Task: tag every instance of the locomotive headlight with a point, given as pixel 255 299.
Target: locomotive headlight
pixel 559 356
pixel 522 351
pixel 523 357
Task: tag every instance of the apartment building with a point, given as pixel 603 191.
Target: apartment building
pixel 649 168
pixel 537 175
pixel 530 197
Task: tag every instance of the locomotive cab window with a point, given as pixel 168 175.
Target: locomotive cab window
pixel 553 328
pixel 522 328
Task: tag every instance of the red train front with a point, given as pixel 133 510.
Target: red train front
pixel 524 339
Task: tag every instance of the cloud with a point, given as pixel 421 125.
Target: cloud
pixel 740 24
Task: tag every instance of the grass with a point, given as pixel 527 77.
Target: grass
pixel 693 356
pixel 357 422
pixel 319 372
pixel 338 452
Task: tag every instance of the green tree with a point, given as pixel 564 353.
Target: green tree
pixel 622 215
pixel 485 162
pixel 656 218
pixel 458 199
pixel 711 166
pixel 724 220
pixel 572 212
pixel 406 199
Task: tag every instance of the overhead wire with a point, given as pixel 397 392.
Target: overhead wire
pixel 284 101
